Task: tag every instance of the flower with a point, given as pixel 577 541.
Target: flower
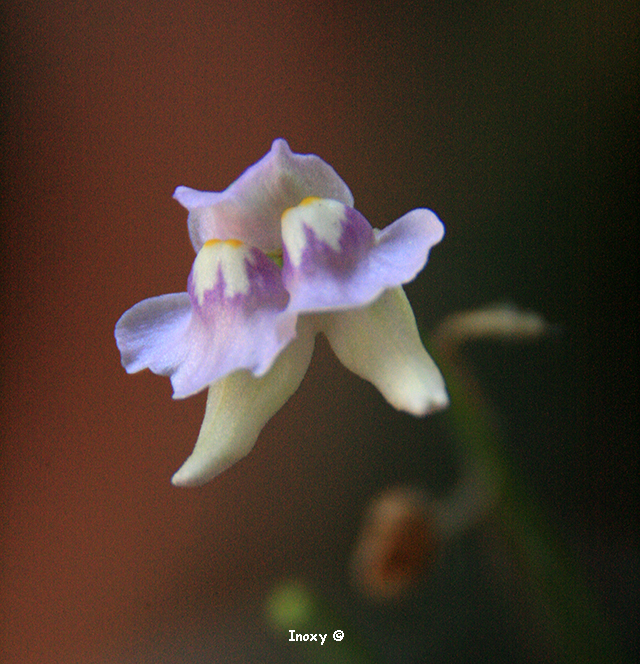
pixel 281 256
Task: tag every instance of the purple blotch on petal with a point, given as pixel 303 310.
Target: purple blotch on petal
pixel 266 290
pixel 321 278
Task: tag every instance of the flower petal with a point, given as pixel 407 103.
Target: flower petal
pixel 251 207
pixel 239 406
pixel 381 344
pixel 231 319
pixel 333 259
pixel 149 335
pixel 403 247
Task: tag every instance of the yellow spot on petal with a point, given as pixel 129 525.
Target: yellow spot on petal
pixel 309 200
pixel 232 242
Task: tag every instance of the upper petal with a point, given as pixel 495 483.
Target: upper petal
pixel 251 207
pixel 381 344
pixel 231 319
pixel 333 259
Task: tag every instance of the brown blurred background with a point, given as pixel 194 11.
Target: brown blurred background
pixel 515 124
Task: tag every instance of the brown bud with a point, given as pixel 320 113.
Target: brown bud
pixel 398 543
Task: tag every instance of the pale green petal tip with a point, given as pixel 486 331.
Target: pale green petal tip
pixel 198 470
pixel 381 344
pixel 419 395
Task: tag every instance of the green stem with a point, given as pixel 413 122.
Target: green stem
pixel 564 604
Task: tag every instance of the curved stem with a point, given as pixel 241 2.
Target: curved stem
pixel 563 603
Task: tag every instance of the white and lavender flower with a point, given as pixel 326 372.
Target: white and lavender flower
pixel 281 256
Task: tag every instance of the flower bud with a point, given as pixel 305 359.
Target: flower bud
pixel 398 543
